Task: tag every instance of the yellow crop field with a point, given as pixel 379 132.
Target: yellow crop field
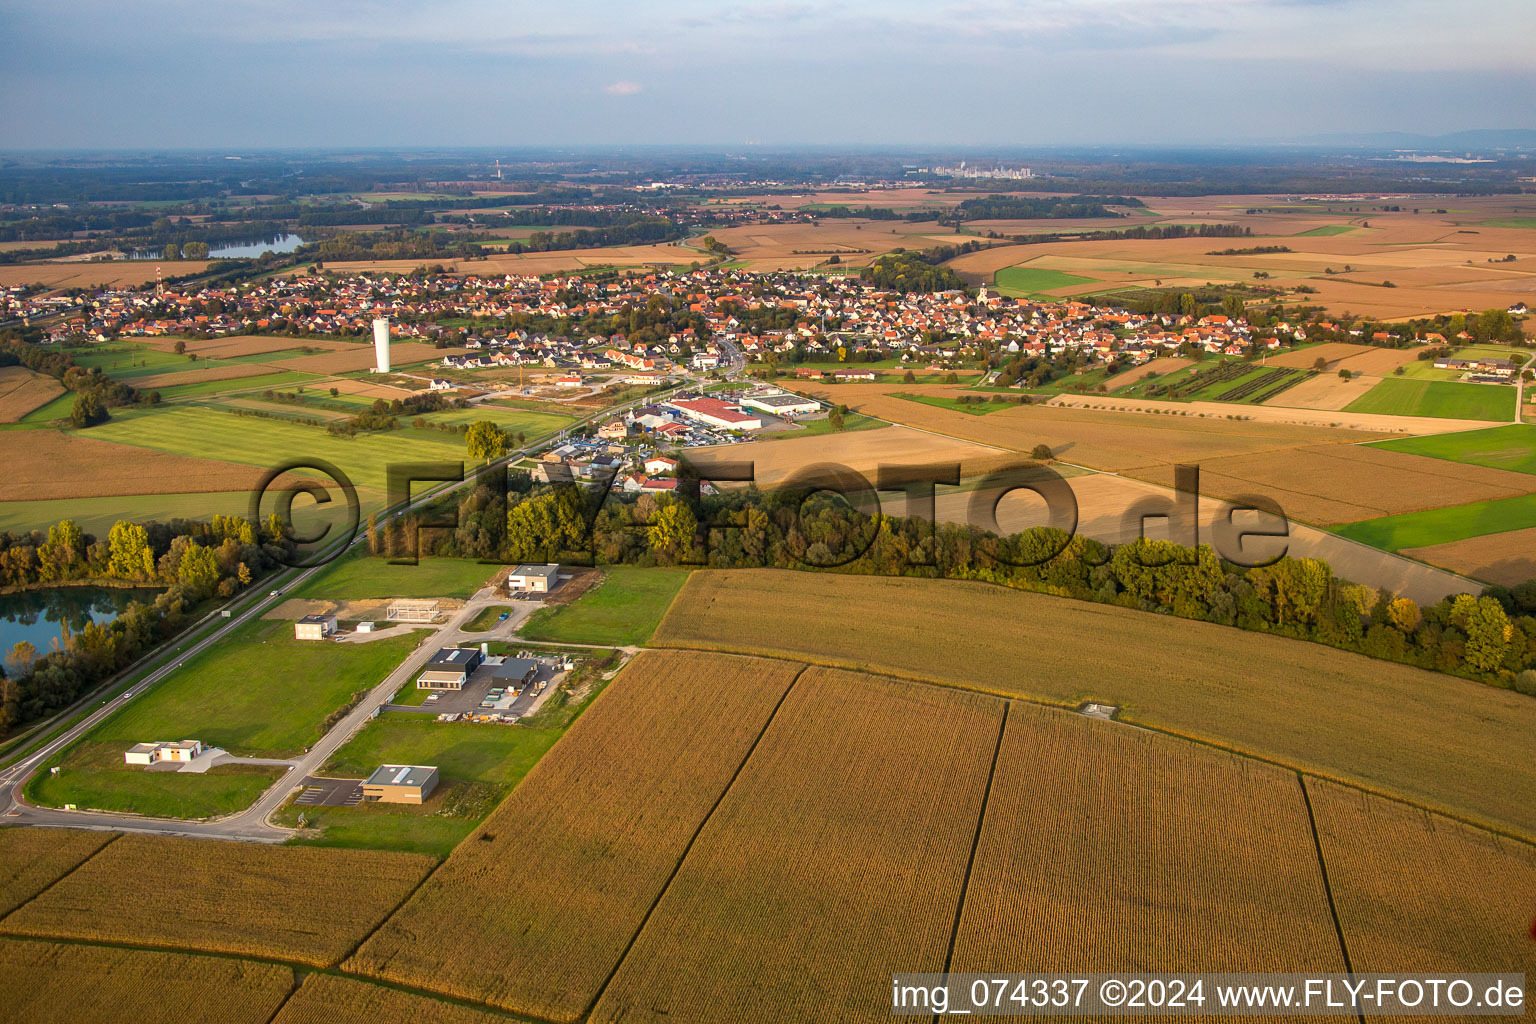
pixel 31 859
pixel 309 905
pixel 1442 742
pixel 1091 823
pixel 327 999
pixel 839 853
pixel 1419 892
pixel 22 390
pixel 533 910
pixel 60 983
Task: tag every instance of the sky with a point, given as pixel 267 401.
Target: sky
pixel 109 74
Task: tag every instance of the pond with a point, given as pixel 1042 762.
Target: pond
pixel 39 616
pixel 245 249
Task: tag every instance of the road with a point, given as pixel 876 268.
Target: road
pixel 251 824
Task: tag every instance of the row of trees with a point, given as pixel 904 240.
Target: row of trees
pixel 1490 637
pixel 194 560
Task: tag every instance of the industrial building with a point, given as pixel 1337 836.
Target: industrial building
pixel 449 669
pixel 515 673
pixel 400 784
pixel 314 627
pixel 714 413
pixel 534 579
pixel 781 403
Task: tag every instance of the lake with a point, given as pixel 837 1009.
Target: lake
pixel 239 250
pixel 39 616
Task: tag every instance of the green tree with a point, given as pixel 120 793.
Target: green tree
pixel 485 440
pixel 88 410
pixel 198 571
pixel 172 252
pixel 673 526
pixel 836 420
pixel 195 250
pixel 130 556
pixel 1488 630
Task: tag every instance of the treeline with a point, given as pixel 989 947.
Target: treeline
pixel 1491 638
pixel 384 415
pixel 193 560
pixel 1254 250
pixel 1143 231
pixel 876 213
pixel 384 213
pixel 910 272
pixel 998 207
pixel 642 231
pixel 403 244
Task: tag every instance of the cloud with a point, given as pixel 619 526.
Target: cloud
pixel 622 88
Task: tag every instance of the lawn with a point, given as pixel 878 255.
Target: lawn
pixel 259 692
pixel 1032 281
pixel 92 775
pixel 1444 525
pixel 1396 396
pixel 358 577
pixel 215 434
pixel 624 609
pixel 1512 447
pixel 487 618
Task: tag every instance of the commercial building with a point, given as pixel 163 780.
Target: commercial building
pixel 400 784
pixel 534 579
pixel 449 669
pixel 714 413
pixel 152 753
pixel 515 673
pixel 314 627
pixel 780 403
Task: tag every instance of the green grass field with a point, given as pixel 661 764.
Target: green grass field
pixel 1524 223
pixel 92 775
pixel 815 428
pixel 487 618
pixel 1443 525
pixel 624 609
pixel 205 388
pixel 1032 281
pixel 1512 447
pixel 57 409
pixel 1396 396
pixel 358 577
pixel 1325 231
pixel 259 692
pixel 214 434
pixel 513 421
pixel 945 402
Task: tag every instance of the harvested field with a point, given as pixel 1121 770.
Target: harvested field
pixel 1325 391
pixel 22 390
pixel 1332 352
pixel 31 859
pixel 827 813
pixel 1152 368
pixel 233 371
pixel 1419 892
pixel 1343 424
pixel 304 904
pixel 1116 439
pixel 328 999
pixel 361 357
pixel 1446 743
pixel 604 816
pixel 55 276
pixel 368 389
pixel 236 345
pixel 1378 362
pixel 57 983
pixel 1341 483
pixel 1505 558
pixel 856 242
pixel 50 464
pixel 1089 824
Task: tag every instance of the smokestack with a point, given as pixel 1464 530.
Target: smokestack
pixel 381 343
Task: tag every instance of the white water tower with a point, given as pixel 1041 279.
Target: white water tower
pixel 381 343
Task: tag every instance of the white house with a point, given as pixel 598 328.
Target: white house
pixel 151 753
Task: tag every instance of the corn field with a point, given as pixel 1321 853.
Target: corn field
pixel 31 859
pixel 1111 849
pixel 304 904
pixel 54 983
pixel 327 999
pixel 534 909
pixel 1419 892
pixel 837 857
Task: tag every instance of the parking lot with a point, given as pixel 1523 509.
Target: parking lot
pixel 476 692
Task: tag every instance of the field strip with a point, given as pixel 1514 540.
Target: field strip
pixel 1271 727
pixel 13 873
pixel 691 840
pixel 1322 864
pixel 606 816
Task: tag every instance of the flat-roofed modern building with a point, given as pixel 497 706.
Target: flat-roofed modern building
pixel 781 404
pixel 314 627
pixel 449 669
pixel 516 672
pixel 400 784
pixel 536 579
